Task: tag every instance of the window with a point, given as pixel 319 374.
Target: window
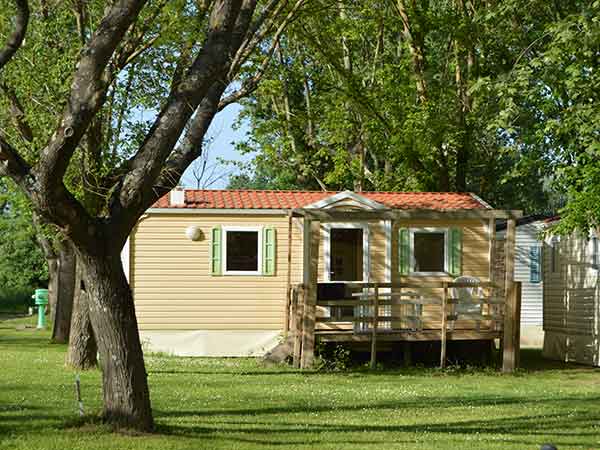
pixel 535 264
pixel 242 251
pixel 429 251
pixel 594 252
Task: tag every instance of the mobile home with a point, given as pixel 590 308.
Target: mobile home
pixel 228 273
pixel 572 298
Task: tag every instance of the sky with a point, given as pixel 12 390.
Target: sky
pixel 223 138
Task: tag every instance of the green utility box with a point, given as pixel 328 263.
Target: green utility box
pixel 41 300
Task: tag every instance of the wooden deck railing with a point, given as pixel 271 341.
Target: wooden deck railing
pixel 410 307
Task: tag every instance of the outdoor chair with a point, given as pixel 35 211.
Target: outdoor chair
pixel 469 298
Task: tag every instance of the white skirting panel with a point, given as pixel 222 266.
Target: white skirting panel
pixel 572 348
pixel 532 336
pixel 210 342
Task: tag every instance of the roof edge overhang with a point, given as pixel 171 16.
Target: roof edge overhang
pixel 221 211
pixel 333 214
pixel 541 220
pixel 404 214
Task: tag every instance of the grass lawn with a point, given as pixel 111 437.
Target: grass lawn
pixel 240 404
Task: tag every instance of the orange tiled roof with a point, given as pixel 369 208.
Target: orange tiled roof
pixel 264 199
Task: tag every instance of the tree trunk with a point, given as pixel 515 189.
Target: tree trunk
pixel 82 342
pixel 462 157
pixel 112 313
pixel 465 71
pixel 52 287
pixel 416 45
pixel 65 292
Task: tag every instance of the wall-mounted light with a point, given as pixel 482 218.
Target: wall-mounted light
pixel 194 233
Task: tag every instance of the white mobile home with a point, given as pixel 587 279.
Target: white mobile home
pixel 528 270
pixel 572 298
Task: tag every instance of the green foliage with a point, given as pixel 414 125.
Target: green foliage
pixel 22 264
pixel 551 109
pixel 339 106
pixel 15 300
pixel 333 357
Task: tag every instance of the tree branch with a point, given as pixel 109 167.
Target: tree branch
pixel 251 84
pixel 13 165
pixel 350 85
pixel 191 146
pixel 17 113
pixel 63 210
pixel 416 45
pixel 15 40
pixel 255 34
pixel 134 47
pixel 135 193
pixel 88 91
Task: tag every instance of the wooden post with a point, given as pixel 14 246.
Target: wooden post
pixel 510 319
pixel 444 326
pixel 512 325
pixel 374 326
pixel 286 325
pixel 493 309
pixel 492 254
pixel 312 234
pixel 298 319
pixel 293 306
pixel 517 336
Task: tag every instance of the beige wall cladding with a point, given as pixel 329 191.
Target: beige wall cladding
pixel 174 289
pixel 475 262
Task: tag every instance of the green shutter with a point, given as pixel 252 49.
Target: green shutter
pixel 403 251
pixel 269 251
pixel 455 248
pixel 216 252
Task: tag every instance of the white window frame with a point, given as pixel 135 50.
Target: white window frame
pixel 413 262
pixel 326 234
pixel 227 229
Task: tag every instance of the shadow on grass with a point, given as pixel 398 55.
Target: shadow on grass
pixel 526 430
pixel 531 361
pixel 295 425
pixel 409 405
pixel 30 341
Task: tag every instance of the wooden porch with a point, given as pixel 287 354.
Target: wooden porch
pixel 406 312
pixel 377 312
